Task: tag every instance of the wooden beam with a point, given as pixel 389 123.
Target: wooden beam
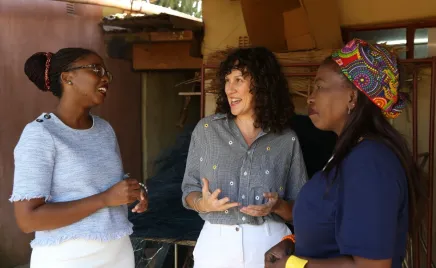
pixel 164 56
pixel 410 42
pixel 147 37
pixel 418 23
pixel 189 93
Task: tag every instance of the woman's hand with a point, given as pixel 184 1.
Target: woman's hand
pixel 265 209
pixel 277 264
pixel 143 203
pixel 210 202
pixel 277 256
pixel 122 193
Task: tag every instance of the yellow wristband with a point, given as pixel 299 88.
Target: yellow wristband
pixel 295 262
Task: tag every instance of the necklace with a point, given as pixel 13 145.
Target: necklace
pixel 333 156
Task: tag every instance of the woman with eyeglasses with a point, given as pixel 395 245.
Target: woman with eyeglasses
pixel 69 184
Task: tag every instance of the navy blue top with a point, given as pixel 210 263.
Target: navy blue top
pixel 364 212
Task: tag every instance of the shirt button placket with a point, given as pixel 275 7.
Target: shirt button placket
pixel 244 177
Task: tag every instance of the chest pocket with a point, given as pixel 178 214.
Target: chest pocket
pixel 274 171
pixel 256 196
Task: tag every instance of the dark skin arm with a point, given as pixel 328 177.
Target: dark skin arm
pixel 37 215
pixel 349 262
pixel 284 209
pixel 278 255
pixel 341 262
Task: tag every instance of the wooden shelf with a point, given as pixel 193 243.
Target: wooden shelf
pixel 193 93
pixel 189 93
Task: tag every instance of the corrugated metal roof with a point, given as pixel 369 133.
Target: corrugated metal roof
pixel 148 23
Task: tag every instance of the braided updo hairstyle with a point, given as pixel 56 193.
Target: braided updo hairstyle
pixel 44 69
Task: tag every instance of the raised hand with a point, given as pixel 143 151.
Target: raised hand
pixel 262 210
pixel 209 202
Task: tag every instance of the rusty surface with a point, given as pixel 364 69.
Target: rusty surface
pixel 40 25
pixel 159 22
pixel 431 165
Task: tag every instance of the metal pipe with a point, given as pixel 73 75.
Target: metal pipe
pixel 215 66
pixel 424 248
pixel 415 114
pixel 203 93
pixel 300 74
pixel 301 65
pixel 404 61
pixel 176 256
pixel 426 60
pixel 415 251
pixel 431 164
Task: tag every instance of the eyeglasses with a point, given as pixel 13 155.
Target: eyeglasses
pixel 99 70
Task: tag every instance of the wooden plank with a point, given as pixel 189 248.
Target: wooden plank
pixel 189 93
pixel 164 56
pixel 171 36
pixel 192 93
pixel 416 23
pixel 151 36
pixel 172 241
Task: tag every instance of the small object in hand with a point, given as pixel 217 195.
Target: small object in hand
pixel 144 187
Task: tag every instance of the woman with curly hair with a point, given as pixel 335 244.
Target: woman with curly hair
pixel 245 165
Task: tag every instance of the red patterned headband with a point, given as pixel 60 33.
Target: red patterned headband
pixel 47 68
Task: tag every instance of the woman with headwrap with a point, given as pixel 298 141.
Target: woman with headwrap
pixel 358 211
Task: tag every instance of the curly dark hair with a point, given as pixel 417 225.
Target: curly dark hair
pixel 273 105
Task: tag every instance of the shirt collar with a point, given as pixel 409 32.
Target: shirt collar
pixel 224 116
pixel 219 117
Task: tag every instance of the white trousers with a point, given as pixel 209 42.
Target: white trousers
pixel 236 246
pixel 82 253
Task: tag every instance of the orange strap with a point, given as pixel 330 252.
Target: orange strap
pixel 289 237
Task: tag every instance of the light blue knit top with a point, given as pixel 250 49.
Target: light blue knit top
pixel 62 164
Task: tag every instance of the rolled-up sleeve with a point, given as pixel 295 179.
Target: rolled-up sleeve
pixel 34 161
pixel 191 180
pixel 297 175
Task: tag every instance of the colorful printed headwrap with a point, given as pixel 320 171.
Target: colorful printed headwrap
pixel 374 71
